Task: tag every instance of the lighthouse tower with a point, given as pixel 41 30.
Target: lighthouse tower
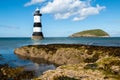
pixel 37 27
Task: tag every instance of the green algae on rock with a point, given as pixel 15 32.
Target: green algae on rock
pixel 78 72
pixel 9 73
pixel 73 72
pixel 67 53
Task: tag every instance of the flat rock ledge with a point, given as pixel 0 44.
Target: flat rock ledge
pixel 76 62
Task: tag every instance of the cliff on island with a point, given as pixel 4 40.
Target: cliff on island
pixel 76 62
pixel 91 33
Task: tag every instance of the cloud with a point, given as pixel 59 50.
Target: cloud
pixel 9 27
pixel 77 9
pixel 115 32
pixel 65 9
pixel 32 2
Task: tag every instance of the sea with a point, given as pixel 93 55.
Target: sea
pixel 7 46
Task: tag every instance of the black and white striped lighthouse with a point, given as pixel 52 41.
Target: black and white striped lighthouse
pixel 37 27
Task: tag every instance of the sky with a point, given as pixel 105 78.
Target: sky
pixel 60 18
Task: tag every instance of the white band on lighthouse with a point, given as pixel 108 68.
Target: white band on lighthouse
pixel 36 18
pixel 37 29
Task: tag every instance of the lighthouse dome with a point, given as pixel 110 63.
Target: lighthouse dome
pixel 37 9
pixel 37 12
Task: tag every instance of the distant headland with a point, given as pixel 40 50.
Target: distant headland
pixel 91 33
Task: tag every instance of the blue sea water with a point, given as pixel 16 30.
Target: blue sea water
pixel 7 46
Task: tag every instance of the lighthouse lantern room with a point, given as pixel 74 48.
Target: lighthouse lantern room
pixel 37 27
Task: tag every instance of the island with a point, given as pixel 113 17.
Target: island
pixel 75 61
pixel 91 33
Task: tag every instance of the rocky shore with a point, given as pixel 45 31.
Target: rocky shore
pixel 14 73
pixel 76 62
pixel 9 73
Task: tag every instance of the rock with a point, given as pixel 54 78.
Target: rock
pixel 77 62
pixel 9 73
pixel 37 37
pixel 72 72
pixel 110 64
pixel 66 53
pixel 115 69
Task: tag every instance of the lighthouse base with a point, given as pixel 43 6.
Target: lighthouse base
pixel 37 37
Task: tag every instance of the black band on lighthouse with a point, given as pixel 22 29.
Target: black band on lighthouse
pixel 37 25
pixel 37 13
pixel 37 34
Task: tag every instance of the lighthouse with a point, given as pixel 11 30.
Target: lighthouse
pixel 37 26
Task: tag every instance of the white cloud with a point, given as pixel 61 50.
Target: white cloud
pixel 64 9
pixel 9 27
pixel 32 2
pixel 77 9
pixel 85 12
